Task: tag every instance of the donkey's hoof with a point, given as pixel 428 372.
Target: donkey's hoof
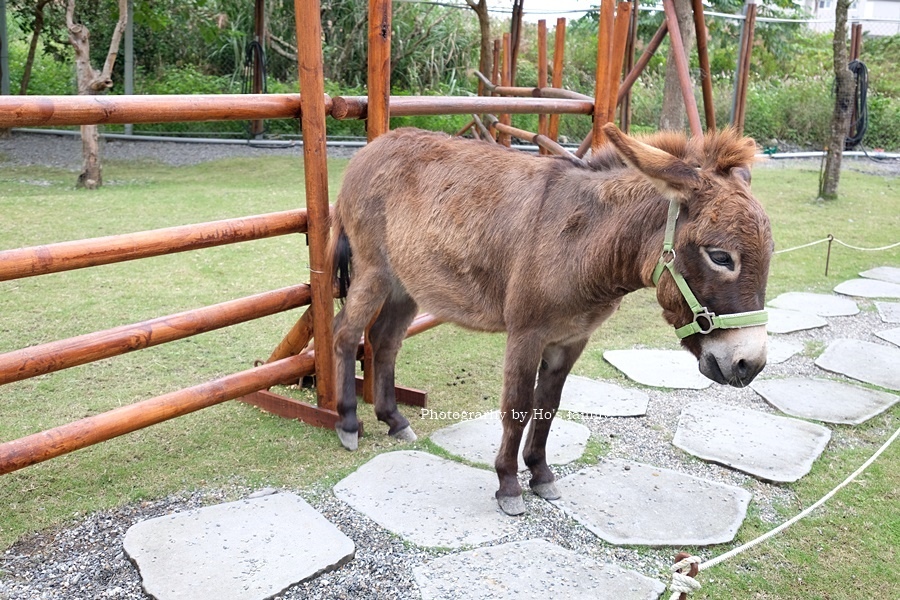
pixel 405 435
pixel 547 491
pixel 349 439
pixel 512 505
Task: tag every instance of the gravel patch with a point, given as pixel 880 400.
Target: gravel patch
pixel 84 559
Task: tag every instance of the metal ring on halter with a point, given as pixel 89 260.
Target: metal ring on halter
pixel 662 257
pixel 709 318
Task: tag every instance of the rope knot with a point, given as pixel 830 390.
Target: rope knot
pixel 683 584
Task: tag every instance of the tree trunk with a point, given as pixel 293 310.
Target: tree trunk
pixel 673 110
pixel 32 47
pixel 843 106
pixel 92 82
pixel 484 23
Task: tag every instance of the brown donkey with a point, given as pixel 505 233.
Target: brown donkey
pixel 544 249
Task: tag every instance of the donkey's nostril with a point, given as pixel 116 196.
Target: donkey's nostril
pixel 741 369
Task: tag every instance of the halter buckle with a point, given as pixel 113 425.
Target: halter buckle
pixel 708 317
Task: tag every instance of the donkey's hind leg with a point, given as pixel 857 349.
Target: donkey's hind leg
pixel 386 336
pixel 366 295
pixel 556 363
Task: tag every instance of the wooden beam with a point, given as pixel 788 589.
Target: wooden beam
pixel 709 108
pixel 66 256
pixel 619 42
pixel 681 66
pixel 354 107
pixel 601 90
pixel 559 48
pixel 542 73
pixel 379 69
pixel 52 111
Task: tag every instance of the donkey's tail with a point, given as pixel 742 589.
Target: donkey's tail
pixel 340 255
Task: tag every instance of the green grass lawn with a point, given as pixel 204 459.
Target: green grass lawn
pixel 854 538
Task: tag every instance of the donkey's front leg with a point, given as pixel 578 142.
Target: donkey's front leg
pixel 523 353
pixel 556 363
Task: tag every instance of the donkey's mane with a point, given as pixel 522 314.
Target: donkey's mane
pixel 720 150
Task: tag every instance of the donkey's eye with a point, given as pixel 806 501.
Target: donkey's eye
pixel 721 258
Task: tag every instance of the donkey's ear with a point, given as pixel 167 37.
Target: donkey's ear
pixel 672 176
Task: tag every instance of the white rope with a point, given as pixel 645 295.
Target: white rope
pixel 734 552
pixel 845 244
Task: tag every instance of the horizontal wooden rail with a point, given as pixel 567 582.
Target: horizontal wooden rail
pixel 61 440
pixel 63 354
pixel 535 138
pixel 355 107
pixel 533 92
pixel 50 111
pixel 65 256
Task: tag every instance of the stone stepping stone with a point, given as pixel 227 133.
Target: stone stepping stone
pixel 675 369
pixel 788 321
pixel 889 274
pixel 865 361
pixel 889 311
pixel 254 548
pixel 890 335
pixel 766 446
pixel 781 350
pixel 478 440
pixel 824 305
pixel 530 570
pixel 591 397
pixel 427 500
pixel 824 399
pixel 630 503
pixel 868 288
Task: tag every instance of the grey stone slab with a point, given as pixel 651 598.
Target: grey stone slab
pixel 427 500
pixel 889 311
pixel 766 446
pixel 866 361
pixel 478 440
pixel 630 503
pixel 530 570
pixel 890 335
pixel 780 350
pixel 787 321
pixel 591 397
pixel 824 399
pixel 868 288
pixel 889 274
pixel 824 305
pixel 659 368
pixel 241 550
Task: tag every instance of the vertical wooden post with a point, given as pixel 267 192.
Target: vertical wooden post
pixel 601 90
pixel 379 75
pixel 559 49
pixel 542 73
pixel 259 36
pixel 504 138
pixel 625 104
pixel 709 108
pixel 312 106
pixel 620 40
pixel 681 65
pixel 739 104
pixel 495 78
pixel 377 123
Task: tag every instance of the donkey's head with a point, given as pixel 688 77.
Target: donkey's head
pixel 721 247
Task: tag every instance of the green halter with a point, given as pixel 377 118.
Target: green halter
pixel 704 320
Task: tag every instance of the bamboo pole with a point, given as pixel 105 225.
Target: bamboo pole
pixel 51 111
pixel 542 74
pixel 681 66
pixel 601 90
pixel 312 86
pixel 379 69
pixel 709 108
pixel 619 41
pixel 61 440
pixel 559 48
pixel 65 256
pixel 505 80
pixel 63 354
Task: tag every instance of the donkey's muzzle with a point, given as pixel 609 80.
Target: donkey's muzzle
pixel 734 357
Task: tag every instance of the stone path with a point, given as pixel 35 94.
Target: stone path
pixel 442 504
